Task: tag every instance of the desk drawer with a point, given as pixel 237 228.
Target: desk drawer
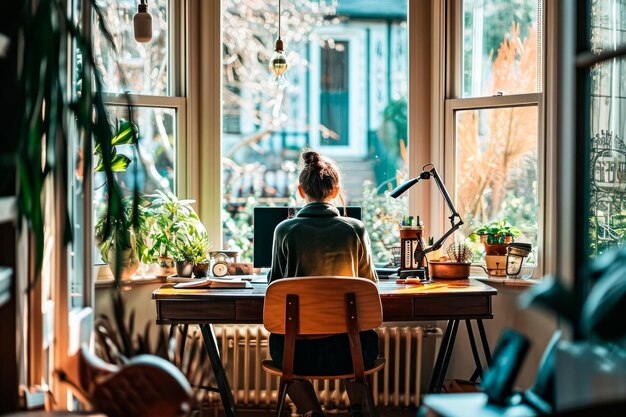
pixel 462 306
pixel 200 311
pixel 397 309
pixel 249 311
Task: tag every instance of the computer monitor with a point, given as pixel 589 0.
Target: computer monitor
pixel 265 221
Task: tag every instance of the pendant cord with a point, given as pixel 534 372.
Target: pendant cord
pixel 278 19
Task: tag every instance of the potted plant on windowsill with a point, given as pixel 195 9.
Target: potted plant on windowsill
pixel 191 250
pixel 171 218
pixel 200 245
pixel 495 236
pixel 122 246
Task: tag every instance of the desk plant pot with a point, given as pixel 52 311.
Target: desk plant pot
pixel 184 269
pixel 449 270
pixel 200 269
pixel 495 236
pixel 166 266
pixel 495 248
pixel 129 264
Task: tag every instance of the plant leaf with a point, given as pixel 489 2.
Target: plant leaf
pixel 126 134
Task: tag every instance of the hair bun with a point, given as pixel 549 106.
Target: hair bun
pixel 311 157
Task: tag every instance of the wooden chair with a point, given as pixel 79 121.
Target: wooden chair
pixel 146 386
pixel 322 306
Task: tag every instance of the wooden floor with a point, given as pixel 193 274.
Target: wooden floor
pixel 218 412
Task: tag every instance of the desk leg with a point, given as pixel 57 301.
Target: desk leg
pixel 479 369
pixel 443 357
pixel 483 339
pixel 210 343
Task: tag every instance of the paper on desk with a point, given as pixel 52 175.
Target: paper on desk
pixel 212 282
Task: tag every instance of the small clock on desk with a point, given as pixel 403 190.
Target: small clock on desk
pixel 224 262
pixel 220 266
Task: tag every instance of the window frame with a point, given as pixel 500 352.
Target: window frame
pixel 454 102
pixel 176 97
pixel 204 38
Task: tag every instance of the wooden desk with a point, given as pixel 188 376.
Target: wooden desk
pixel 452 300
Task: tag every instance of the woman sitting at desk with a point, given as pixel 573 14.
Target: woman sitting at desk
pixel 318 241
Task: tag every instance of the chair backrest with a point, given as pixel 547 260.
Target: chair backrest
pixel 322 304
pixel 147 385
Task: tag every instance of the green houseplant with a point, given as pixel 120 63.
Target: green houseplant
pixel 125 243
pixel 48 119
pixel 496 235
pixel 170 220
pixel 191 253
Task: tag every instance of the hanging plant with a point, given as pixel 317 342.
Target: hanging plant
pixel 49 116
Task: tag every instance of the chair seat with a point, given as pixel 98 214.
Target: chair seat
pixel 269 367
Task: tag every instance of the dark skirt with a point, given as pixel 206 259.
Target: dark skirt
pixel 325 356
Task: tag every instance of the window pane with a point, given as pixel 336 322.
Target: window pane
pixel 152 168
pixel 140 68
pixel 496 169
pixel 607 227
pixel 501 47
pixel 608 24
pixel 346 97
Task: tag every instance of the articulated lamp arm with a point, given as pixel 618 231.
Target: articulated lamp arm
pixel 455 217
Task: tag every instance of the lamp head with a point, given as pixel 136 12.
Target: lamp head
pixel 400 189
pixel 142 23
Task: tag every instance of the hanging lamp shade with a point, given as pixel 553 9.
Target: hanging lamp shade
pixel 142 23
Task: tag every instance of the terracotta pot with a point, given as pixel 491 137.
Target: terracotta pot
pixel 200 270
pixel 449 270
pixel 184 269
pixel 495 248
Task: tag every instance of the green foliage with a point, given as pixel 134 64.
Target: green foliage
pixel 45 31
pixel 395 125
pixel 192 246
pixel 237 225
pixel 381 216
pixel 126 135
pixel 124 233
pixel 497 230
pixel 170 220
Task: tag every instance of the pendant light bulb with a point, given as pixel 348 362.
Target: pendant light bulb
pixel 142 23
pixel 278 61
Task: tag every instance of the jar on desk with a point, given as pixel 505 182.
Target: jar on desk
pixel 411 239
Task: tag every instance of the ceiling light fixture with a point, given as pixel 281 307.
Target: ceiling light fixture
pixel 278 61
pixel 142 23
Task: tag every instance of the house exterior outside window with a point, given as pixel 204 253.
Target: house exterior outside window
pixel 346 97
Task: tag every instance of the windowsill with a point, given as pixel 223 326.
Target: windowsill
pixel 130 283
pixel 477 272
pixel 105 279
pixel 510 282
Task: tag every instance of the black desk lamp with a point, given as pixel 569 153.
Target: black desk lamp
pixel 455 217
